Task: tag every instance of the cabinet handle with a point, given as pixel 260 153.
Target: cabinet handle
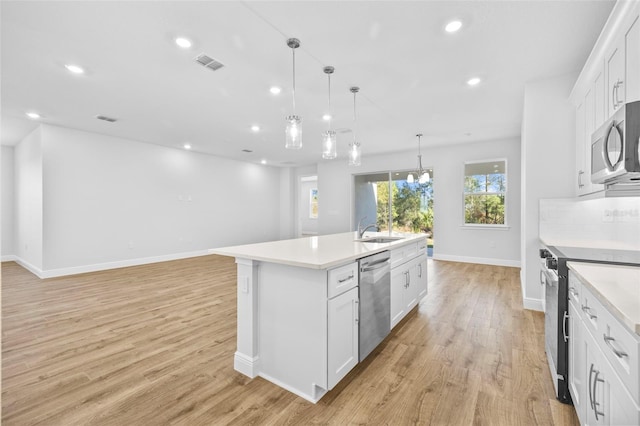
pixel 349 278
pixel 608 340
pixel 587 310
pixel 573 292
pixel 618 84
pixel 589 386
pixel 356 305
pixel 614 100
pixel 564 326
pixel 595 403
pixel 420 273
pixel 580 184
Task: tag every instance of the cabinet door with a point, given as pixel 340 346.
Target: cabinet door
pixel 596 403
pixel 398 286
pixel 577 362
pixel 342 335
pixel 632 61
pixel 615 77
pixel 411 292
pixel 581 174
pixel 422 277
pixel 599 98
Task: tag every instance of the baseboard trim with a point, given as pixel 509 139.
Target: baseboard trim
pixel 74 270
pixel 533 304
pixel 28 266
pixel 479 260
pixel 9 258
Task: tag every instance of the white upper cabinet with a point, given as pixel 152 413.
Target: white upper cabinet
pixel 609 79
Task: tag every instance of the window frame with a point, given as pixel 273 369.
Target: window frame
pixel 504 225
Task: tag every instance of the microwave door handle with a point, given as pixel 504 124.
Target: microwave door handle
pixel 605 145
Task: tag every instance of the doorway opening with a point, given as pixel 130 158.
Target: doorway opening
pixel 308 206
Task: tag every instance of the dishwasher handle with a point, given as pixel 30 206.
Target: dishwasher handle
pixel 374 265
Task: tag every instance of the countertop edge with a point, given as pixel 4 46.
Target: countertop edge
pixel 327 265
pixel 619 315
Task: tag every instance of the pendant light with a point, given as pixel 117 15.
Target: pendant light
pixel 354 147
pixel 423 175
pixel 293 132
pixel 329 137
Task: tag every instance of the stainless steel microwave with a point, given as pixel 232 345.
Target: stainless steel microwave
pixel 615 147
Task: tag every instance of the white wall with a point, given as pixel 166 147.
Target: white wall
pixel 28 204
pixel 111 202
pixel 7 201
pixel 548 165
pixel 452 240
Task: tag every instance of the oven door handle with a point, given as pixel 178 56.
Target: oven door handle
pixel 543 277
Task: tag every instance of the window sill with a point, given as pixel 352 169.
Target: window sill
pixel 486 227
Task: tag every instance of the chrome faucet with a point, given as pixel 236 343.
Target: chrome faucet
pixel 362 230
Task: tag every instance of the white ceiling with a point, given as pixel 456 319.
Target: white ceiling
pixel 411 73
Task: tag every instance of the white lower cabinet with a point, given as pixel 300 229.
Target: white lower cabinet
pixel 342 335
pixel 599 394
pixel 577 361
pixel 408 287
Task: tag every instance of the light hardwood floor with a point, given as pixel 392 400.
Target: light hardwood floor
pixel 154 344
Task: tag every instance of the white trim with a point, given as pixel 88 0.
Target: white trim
pixel 533 304
pixel 29 267
pixel 485 227
pixel 9 258
pixel 311 398
pixel 73 270
pixel 245 364
pixel 480 260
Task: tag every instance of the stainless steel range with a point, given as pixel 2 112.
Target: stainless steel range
pixel 554 276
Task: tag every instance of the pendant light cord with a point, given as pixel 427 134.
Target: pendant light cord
pixel 355 121
pixel 330 115
pixel 294 80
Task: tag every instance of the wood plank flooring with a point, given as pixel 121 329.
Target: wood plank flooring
pixel 154 344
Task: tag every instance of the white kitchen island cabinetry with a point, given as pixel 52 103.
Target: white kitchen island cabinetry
pixel 298 308
pixel 408 279
pixel 604 343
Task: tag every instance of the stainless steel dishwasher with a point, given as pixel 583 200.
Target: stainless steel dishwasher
pixel 375 301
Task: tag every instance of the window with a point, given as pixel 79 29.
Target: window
pixel 485 189
pixel 313 203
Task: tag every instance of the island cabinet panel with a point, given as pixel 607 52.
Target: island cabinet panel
pixel 343 335
pixel 292 328
pixel 408 280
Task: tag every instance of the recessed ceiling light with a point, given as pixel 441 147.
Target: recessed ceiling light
pixel 255 128
pixel 33 115
pixel 184 43
pixel 187 146
pixel 473 81
pixel 74 69
pixel 275 90
pixel 453 26
pixel 326 117
pixel 263 161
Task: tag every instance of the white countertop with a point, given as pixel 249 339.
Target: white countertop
pixel 588 243
pixel 321 252
pixel 617 287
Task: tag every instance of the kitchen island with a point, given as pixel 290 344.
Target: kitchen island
pixel 298 304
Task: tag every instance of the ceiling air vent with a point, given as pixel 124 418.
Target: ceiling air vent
pixel 105 118
pixel 209 62
pixel 246 150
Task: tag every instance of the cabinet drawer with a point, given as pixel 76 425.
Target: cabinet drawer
pixel 342 278
pixel 621 348
pixel 405 253
pixel 575 291
pixel 619 345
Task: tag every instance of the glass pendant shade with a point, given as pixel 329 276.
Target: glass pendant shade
pixel 354 154
pixel 293 132
pixel 329 145
pixel 410 178
pixel 424 178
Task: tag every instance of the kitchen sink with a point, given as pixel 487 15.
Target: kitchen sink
pixel 379 240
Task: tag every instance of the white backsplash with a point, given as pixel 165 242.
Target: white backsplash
pixel 612 223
